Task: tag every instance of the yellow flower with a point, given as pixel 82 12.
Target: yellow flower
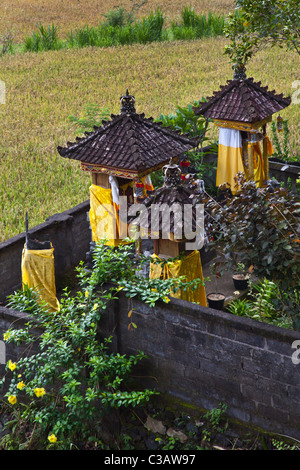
pixel 52 438
pixel 95 307
pixel 12 365
pixel 39 392
pixel 6 336
pixel 167 300
pixel 86 293
pixel 153 290
pixel 12 399
pixel 21 385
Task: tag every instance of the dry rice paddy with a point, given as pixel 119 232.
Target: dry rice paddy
pixel 21 16
pixel 43 89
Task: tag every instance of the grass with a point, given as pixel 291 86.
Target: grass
pixel 43 89
pixel 22 16
pixel 121 27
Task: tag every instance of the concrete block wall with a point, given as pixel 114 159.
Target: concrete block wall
pixel 204 357
pixel 70 235
pixel 196 356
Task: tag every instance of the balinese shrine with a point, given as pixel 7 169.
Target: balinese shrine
pixel 241 110
pixel 172 218
pixel 120 155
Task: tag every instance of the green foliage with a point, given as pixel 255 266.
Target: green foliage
pixel 66 387
pixel 259 228
pixel 120 27
pixel 186 121
pixel 195 26
pixel 282 146
pixel 124 270
pixel 280 445
pixel 6 44
pixel 213 418
pixel 262 305
pixel 118 16
pixel 257 24
pixel 45 39
pixel 93 117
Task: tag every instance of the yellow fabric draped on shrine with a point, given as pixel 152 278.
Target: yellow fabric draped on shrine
pixel 103 216
pixel 258 161
pixel 230 161
pixel 38 273
pixel 258 165
pixel 190 267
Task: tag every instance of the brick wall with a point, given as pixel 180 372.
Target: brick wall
pixel 203 357
pixel 70 235
pixel 197 356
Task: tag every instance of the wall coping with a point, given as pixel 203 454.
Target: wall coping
pixel 53 219
pixel 182 307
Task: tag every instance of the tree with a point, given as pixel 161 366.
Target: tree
pixel 260 23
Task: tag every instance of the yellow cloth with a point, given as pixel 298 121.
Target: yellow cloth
pixel 38 273
pixel 269 146
pixel 258 162
pixel 190 267
pixel 103 216
pixel 230 160
pixel 258 165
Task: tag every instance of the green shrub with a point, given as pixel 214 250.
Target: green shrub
pixel 118 16
pixel 195 26
pixel 266 303
pixel 45 39
pixel 61 393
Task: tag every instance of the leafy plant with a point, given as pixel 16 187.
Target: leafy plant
pixel 118 16
pixel 260 229
pixel 216 269
pixel 256 24
pixel 283 149
pixel 263 305
pixel 195 26
pixel 123 269
pixel 45 39
pixel 6 43
pixel 63 390
pixel 184 120
pixel 93 116
pixel 213 418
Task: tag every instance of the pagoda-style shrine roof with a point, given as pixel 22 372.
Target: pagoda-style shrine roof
pixel 242 100
pixel 128 145
pixel 175 195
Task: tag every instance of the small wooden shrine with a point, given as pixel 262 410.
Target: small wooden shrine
pixel 166 220
pixel 241 109
pixel 120 155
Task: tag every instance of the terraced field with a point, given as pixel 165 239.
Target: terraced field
pixel 43 89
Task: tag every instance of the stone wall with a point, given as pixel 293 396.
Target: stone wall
pixel 197 357
pixel 202 357
pixel 70 235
